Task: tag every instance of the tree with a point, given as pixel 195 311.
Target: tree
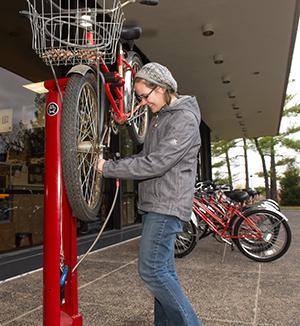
pixel 269 147
pixel 290 186
pixel 220 149
pixel 245 148
pixel 261 147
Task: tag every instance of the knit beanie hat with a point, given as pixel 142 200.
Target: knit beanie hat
pixel 157 74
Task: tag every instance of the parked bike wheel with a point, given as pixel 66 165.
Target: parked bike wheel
pixel 138 122
pixel 263 222
pixel 80 146
pixel 276 236
pixel 186 240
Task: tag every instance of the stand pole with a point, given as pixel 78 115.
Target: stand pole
pixel 56 207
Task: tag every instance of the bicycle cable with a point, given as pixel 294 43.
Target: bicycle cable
pixel 56 83
pixel 101 230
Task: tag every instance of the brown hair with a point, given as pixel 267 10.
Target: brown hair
pixel 167 94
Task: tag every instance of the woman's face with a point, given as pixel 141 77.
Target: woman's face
pixel 153 98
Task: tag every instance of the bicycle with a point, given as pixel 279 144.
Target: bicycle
pixel 260 232
pixel 99 95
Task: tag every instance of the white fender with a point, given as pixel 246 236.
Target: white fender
pixel 194 219
pixel 80 69
pixel 265 208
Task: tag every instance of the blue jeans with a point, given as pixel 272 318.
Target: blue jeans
pixel 157 270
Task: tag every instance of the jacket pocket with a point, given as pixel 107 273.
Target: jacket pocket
pixel 156 188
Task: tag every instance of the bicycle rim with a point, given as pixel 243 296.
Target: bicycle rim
pixel 138 124
pixel 275 239
pixel 186 240
pixel 80 146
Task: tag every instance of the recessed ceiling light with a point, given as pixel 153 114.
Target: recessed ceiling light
pixel 256 72
pixel 259 111
pixel 235 106
pixel 226 79
pixel 36 87
pixel 231 94
pixel 208 30
pixel 218 59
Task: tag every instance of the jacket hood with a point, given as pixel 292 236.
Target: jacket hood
pixel 185 102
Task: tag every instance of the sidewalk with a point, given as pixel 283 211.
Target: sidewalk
pixel 225 287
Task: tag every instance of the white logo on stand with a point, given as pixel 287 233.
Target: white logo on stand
pixel 52 109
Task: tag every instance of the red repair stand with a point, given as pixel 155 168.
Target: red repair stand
pixel 55 206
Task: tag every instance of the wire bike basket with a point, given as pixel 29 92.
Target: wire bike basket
pixel 83 31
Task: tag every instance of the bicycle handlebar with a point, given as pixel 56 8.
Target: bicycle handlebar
pixel 24 13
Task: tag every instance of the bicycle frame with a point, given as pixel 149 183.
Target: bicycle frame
pixel 222 226
pixel 116 83
pixel 117 104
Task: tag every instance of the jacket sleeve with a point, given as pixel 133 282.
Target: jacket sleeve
pixel 178 138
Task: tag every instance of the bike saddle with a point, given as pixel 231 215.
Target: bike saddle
pixel 129 33
pixel 238 196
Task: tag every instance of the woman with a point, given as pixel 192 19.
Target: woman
pixel 167 169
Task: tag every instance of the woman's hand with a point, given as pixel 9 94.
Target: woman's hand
pixel 100 164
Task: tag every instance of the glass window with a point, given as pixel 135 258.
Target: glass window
pixel 22 123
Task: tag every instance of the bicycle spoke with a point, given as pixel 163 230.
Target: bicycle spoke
pixel 87 140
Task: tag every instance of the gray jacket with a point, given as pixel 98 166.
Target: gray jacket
pixel 167 164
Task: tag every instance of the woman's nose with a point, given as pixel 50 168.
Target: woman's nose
pixel 144 100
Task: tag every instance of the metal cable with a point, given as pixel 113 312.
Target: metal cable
pixel 103 226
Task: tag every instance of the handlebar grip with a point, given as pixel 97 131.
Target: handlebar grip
pixel 149 2
pixel 24 13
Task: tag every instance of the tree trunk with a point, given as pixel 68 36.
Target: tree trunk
pixel 264 166
pixel 246 164
pixel 228 167
pixel 273 176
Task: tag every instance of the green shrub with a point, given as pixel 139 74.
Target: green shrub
pixel 290 186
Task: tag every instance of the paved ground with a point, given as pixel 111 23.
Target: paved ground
pixel 224 287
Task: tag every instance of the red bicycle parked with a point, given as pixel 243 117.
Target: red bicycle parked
pixel 98 96
pixel 260 232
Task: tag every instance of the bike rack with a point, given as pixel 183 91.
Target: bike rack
pixel 56 206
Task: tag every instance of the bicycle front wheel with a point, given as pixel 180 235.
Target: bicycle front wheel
pixel 186 240
pixel 80 148
pixel 274 242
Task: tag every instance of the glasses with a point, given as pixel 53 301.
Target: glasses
pixel 143 97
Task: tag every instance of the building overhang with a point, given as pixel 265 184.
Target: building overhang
pixel 243 96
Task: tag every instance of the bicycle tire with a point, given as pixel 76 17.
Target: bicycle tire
pixel 138 127
pixel 80 131
pixel 275 242
pixel 186 240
